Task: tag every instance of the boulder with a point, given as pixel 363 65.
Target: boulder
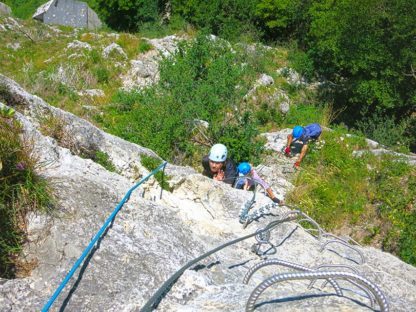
pixel 5 10
pixel 114 48
pixel 68 13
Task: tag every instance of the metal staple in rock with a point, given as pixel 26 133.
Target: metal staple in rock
pixel 342 242
pixel 288 264
pixel 352 282
pixel 322 234
pixel 378 294
pixel 152 303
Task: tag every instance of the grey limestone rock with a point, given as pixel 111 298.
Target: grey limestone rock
pixel 153 236
pixel 84 136
pixel 144 70
pixel 113 48
pixel 5 10
pixel 292 77
pixel 76 44
pixel 68 13
pixel 92 92
pixel 265 80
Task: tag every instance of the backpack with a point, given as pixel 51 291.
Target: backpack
pixel 313 130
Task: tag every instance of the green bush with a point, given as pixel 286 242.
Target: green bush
pixel 128 15
pixel 266 114
pixel 394 193
pixel 103 159
pixel 24 8
pixel 102 74
pixel 240 140
pixel 226 18
pixel 175 26
pixel 385 130
pixel 301 62
pixel 95 56
pixel 144 46
pixel 197 83
pixel 151 163
pixel 366 53
pixel 407 239
pixel 21 191
pixel 282 19
pixel 303 114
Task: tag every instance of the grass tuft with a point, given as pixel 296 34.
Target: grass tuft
pixel 151 163
pixel 22 190
pixel 369 198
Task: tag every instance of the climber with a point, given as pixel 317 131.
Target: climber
pixel 249 176
pixel 305 134
pixel 217 166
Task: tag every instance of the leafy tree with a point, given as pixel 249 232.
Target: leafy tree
pixel 283 19
pixel 128 15
pixel 226 18
pixel 367 50
pixel 24 8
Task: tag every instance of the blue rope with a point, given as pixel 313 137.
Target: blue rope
pixel 96 237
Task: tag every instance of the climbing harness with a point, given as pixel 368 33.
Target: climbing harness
pixel 98 236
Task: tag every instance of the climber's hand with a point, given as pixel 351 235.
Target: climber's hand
pixel 277 201
pixel 219 176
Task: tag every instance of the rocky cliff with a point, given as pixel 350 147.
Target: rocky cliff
pixel 153 236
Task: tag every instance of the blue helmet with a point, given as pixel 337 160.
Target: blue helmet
pixel 244 168
pixel 297 132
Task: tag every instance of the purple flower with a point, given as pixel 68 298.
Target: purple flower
pixel 20 166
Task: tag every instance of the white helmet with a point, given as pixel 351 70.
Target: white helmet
pixel 218 153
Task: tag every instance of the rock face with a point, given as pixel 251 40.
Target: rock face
pixel 68 13
pixel 291 76
pixel 144 70
pixel 5 9
pixel 84 136
pixel 153 236
pixel 113 48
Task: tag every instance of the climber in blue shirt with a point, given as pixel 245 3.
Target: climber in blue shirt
pixel 305 134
